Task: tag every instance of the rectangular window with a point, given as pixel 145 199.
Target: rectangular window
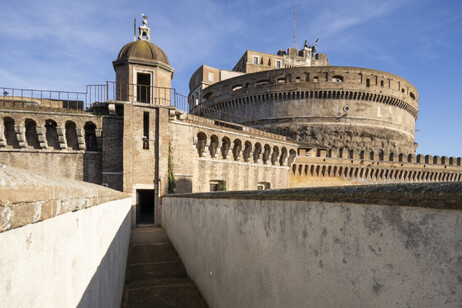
pixel 255 60
pixel 145 130
pixel 278 64
pixel 211 77
pixel 326 76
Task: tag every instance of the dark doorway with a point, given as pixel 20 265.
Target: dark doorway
pixel 143 88
pixel 144 206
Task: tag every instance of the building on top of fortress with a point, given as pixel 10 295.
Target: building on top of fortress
pixel 274 121
pixel 300 95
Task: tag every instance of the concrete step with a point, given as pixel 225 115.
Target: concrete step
pixel 155 275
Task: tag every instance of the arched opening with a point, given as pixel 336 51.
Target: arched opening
pixel 337 78
pixel 213 146
pixel 266 153
pixel 31 134
pixel 292 155
pixel 90 136
pixel 274 155
pixel 225 145
pixel 201 143
pixel 71 136
pixel 52 134
pixel 283 156
pixel 237 149
pixel 257 152
pixel 10 134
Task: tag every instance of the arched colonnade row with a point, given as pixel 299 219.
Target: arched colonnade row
pixel 48 135
pixel 375 173
pixel 237 149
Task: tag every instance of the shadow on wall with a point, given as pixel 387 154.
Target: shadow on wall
pixel 92 167
pixel 106 287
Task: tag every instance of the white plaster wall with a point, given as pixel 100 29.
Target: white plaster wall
pixel 75 259
pixel 251 253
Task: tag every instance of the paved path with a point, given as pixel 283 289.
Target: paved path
pixel 155 275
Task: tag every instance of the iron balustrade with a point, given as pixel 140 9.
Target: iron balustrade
pixel 42 98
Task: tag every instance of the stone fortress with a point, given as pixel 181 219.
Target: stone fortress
pixel 274 121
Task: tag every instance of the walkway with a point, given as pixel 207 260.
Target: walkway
pixel 155 275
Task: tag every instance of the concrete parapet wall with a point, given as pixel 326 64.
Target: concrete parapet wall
pixel 76 258
pixel 357 246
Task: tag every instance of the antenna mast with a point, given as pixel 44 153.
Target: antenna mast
pixel 294 23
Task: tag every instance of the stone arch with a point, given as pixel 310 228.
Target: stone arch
pixel 345 172
pixel 257 152
pixel 318 170
pixel 31 134
pixel 306 170
pixel 71 136
pixel 292 155
pixel 225 146
pixel 329 171
pixel 247 151
pixel 323 171
pixel 237 149
pixel 340 170
pixel 312 170
pixel 213 146
pixel 10 133
pixel 266 153
pixel 300 169
pixel 274 155
pixel 283 157
pixel 52 134
pixel 201 143
pixel 294 168
pixel 366 174
pixel 90 136
pixel 334 173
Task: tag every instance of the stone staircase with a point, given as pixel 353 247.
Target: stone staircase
pixel 155 275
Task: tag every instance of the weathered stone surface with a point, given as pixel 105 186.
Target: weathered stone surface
pixel 27 197
pixel 323 247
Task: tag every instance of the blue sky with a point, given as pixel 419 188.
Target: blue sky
pixel 66 45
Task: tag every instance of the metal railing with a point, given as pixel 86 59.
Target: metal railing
pixel 26 98
pixel 116 91
pixel 42 98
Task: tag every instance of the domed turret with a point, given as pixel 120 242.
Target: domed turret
pixel 142 50
pixel 141 69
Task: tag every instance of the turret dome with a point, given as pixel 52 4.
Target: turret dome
pixel 142 50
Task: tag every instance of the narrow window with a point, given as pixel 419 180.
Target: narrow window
pixel 381 83
pixel 278 64
pixel 211 77
pixel 145 130
pixel 143 88
pixel 368 82
pixel 326 76
pixel 255 60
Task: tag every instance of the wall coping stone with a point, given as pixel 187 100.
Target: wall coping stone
pixel 426 195
pixel 27 197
